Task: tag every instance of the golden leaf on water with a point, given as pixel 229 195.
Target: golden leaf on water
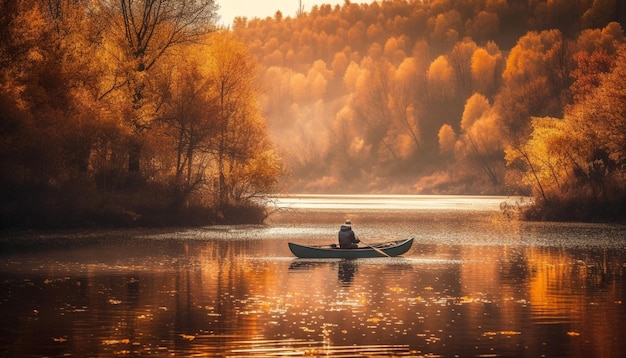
pixel 573 334
pixel 510 333
pixel 60 339
pixel 187 337
pixel 502 333
pixel 110 342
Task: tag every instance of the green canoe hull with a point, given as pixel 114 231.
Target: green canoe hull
pixel 392 248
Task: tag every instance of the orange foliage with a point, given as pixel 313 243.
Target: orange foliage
pixel 447 138
pixel 437 54
pixel 390 85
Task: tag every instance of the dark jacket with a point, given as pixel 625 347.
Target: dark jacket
pixel 347 239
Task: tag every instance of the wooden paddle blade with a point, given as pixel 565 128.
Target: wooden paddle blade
pixel 375 249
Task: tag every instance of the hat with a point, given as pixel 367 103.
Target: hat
pixel 348 223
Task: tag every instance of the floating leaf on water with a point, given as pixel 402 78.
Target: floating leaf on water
pixel 502 333
pixel 114 301
pixel 60 339
pixel 510 333
pixel 187 337
pixel 573 334
pixel 110 342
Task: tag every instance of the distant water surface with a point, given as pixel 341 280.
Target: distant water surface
pixel 475 284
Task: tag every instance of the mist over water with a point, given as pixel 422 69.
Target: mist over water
pixel 474 284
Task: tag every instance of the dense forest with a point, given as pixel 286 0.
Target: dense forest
pixel 128 112
pixel 143 112
pixel 452 97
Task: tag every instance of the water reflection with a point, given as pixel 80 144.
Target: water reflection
pixel 472 285
pixel 346 269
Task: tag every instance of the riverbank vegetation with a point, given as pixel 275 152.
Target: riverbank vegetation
pixel 143 112
pixel 128 113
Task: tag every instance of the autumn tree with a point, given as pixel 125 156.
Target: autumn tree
pixel 534 82
pixel 447 139
pixel 245 164
pixel 480 141
pixel 189 120
pixel 386 103
pixel 372 108
pixel 588 71
pixel 580 158
pixel 142 32
pixel 460 58
pixel 596 52
pixel 48 107
pixel 605 109
pixel 486 69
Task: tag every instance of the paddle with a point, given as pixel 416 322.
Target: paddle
pixel 375 248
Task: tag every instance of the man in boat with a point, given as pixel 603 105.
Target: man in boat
pixel 347 238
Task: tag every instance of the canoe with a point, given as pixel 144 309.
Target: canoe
pixel 392 248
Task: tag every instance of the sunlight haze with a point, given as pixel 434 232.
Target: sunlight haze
pixel 262 9
pixel 177 117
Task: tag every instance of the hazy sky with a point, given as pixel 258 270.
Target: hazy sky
pixel 229 9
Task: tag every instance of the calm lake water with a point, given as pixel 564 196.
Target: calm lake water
pixel 474 284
